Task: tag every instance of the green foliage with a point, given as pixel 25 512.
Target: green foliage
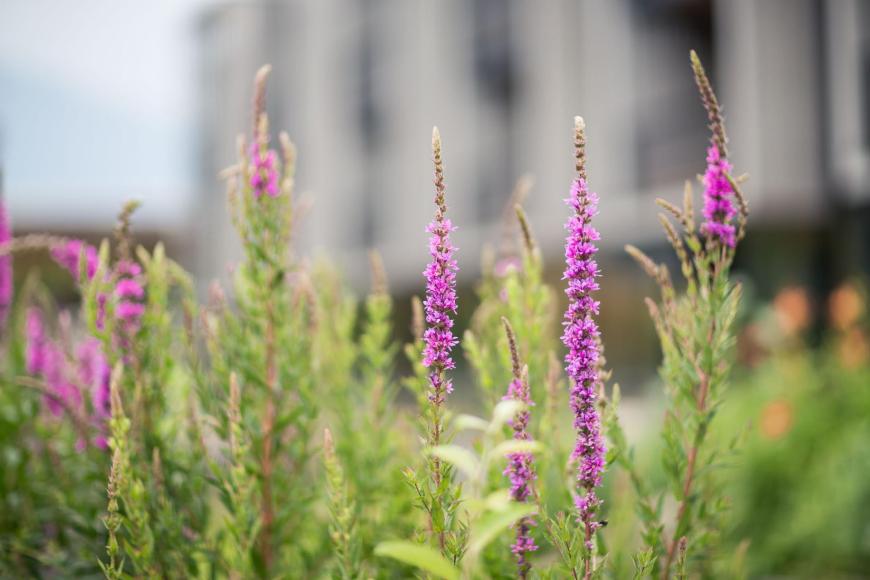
pixel 214 470
pixel 487 515
pixel 801 495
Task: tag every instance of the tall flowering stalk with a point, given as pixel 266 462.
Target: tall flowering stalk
pixel 520 469
pixel 440 497
pixel 440 303
pixel 719 192
pixel 581 337
pixel 695 331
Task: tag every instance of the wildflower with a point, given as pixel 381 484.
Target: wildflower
pixel 520 468
pixel 719 195
pixel 94 374
pixel 129 293
pixel 69 255
pixel 440 300
pixel 581 337
pixel 36 342
pixel 264 174
pixel 264 161
pixel 5 267
pixel 719 210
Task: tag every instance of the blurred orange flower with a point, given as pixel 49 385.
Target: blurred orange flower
pixel 845 307
pixel 792 308
pixel 776 419
pixel 854 349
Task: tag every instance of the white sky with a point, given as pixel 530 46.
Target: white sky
pixel 97 105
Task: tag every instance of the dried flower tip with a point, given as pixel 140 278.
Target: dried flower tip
pixel 260 92
pixel 115 391
pixel 30 243
pixel 522 188
pixel 672 209
pixel 417 318
pixel 328 445
pixel 288 151
pixel 115 475
pixel 123 231
pixel 528 238
pixel 711 104
pixel 440 201
pixel 648 265
pixel 671 234
pixel 653 309
pixel 512 344
pixel 688 208
pixel 235 398
pixel 580 147
pixel 379 274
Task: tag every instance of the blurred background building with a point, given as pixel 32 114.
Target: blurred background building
pixel 119 101
pixel 359 83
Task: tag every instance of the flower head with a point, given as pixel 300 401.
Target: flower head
pixel 520 468
pixel 129 293
pixel 36 341
pixel 264 170
pixel 69 255
pixel 94 374
pixel 264 161
pixel 581 337
pixel 719 209
pixel 47 360
pixel 440 303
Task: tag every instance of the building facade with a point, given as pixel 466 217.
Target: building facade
pixel 358 84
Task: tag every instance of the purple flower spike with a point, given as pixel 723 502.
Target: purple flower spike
pixel 69 254
pixel 94 374
pixel 440 301
pixel 520 468
pixel 5 267
pixel 35 342
pixel 129 292
pixel 719 210
pixel 264 173
pixel 581 338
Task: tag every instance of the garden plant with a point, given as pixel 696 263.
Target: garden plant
pixel 263 432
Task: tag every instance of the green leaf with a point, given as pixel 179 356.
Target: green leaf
pixel 459 457
pixel 493 523
pixel 422 557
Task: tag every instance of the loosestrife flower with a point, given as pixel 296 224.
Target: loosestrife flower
pixel 440 301
pixel 69 254
pixel 581 338
pixel 5 266
pixel 129 292
pixel 520 469
pixel 719 210
pixel 719 194
pixel 35 342
pixel 264 173
pixel 94 374
pixel 47 360
pixel 263 177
